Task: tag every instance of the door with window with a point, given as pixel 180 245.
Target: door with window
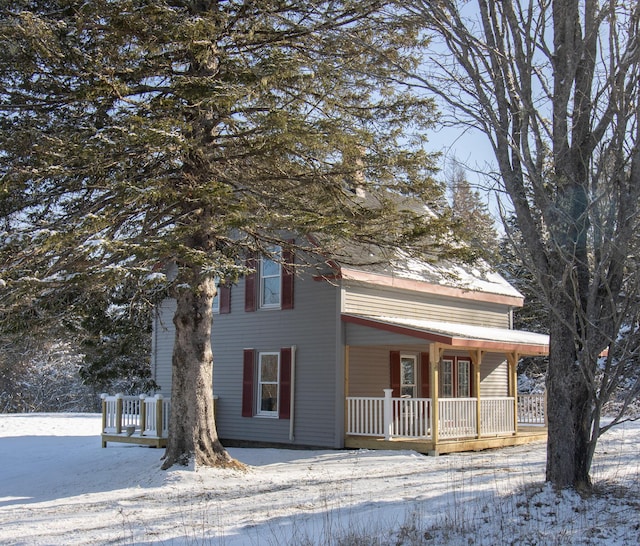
pixel 408 385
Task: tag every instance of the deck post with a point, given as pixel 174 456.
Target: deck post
pixel 435 353
pixel 388 414
pixel 476 360
pixel 143 414
pixel 512 359
pixel 119 413
pixel 159 418
pixel 103 396
pixel 346 389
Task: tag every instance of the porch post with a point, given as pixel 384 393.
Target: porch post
pixel 476 360
pixel 159 417
pixel 119 413
pixel 388 414
pixel 434 362
pixel 143 414
pixel 512 359
pixel 346 389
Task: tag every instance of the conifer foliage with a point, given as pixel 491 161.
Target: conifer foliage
pixel 137 134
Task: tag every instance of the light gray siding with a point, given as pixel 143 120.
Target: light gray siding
pixel 163 338
pixel 380 301
pixel 313 326
pixel 494 375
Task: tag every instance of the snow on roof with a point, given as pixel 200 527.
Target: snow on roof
pixel 478 277
pixel 470 331
pixel 458 333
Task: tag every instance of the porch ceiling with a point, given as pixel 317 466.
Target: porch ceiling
pixel 458 335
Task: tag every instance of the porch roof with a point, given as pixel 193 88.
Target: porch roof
pixel 458 335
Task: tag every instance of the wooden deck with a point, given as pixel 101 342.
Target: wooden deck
pixel 135 420
pixel 525 435
pixel 136 438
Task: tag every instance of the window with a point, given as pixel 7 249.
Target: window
pixel 455 377
pixel 222 299
pixel 266 383
pixel 270 281
pixel 464 379
pixel 268 373
pixel 216 299
pixel 446 378
pixel 408 376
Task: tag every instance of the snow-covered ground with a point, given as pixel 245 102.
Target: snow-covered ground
pixel 58 486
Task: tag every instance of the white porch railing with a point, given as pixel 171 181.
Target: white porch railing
pixel 457 418
pixel 388 417
pixel 496 416
pixel 411 417
pixel 532 409
pixel 140 415
pixel 365 416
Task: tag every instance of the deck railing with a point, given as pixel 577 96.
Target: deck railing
pixel 411 417
pixel 365 416
pixel 457 418
pixel 391 417
pixel 496 416
pixel 532 409
pixel 141 415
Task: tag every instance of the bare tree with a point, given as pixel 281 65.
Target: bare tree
pixel 554 85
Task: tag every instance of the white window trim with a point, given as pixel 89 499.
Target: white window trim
pixel 262 277
pixel 260 412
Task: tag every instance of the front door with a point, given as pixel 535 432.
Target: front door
pixel 408 384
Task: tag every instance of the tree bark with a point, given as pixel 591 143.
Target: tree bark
pixel 192 428
pixel 568 398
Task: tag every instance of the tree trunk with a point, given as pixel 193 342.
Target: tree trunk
pixel 568 399
pixel 192 429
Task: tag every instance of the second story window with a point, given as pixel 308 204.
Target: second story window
pixel 216 299
pixel 270 281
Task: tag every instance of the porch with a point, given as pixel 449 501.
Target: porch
pixel 451 425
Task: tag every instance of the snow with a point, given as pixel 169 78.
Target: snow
pixel 470 331
pixel 479 277
pixel 58 486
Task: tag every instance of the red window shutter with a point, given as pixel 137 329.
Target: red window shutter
pixel 284 410
pixel 288 274
pixel 248 371
pixel 224 297
pixel 250 285
pixel 424 375
pixel 394 363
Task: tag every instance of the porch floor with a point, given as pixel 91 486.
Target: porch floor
pixel 525 435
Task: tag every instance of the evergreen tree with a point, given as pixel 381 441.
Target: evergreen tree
pixel 141 133
pixel 471 215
